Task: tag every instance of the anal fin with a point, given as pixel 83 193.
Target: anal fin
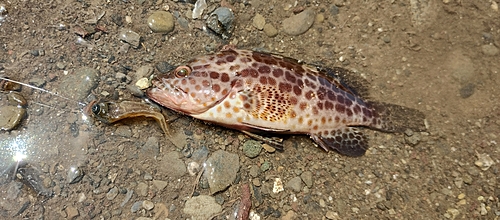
pixel 347 141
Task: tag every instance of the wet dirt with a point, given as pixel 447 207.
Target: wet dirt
pixel 440 57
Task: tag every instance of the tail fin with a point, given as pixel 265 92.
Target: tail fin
pixel 396 118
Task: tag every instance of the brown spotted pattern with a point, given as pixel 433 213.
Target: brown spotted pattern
pixel 258 91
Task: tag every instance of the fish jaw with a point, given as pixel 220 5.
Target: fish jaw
pixel 174 98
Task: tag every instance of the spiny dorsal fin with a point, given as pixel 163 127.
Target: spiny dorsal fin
pixel 349 80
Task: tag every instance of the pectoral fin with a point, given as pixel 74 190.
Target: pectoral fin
pixel 347 141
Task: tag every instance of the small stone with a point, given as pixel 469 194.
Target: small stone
pixel 258 21
pixel 319 18
pixel 489 49
pixel 484 161
pixel 277 185
pixel 265 166
pixel 252 148
pixel 322 203
pixel 413 139
pixel 334 10
pixel 294 184
pixel 193 168
pixel 143 83
pixel 123 131
pixel 35 53
pixel 161 22
pixel 143 72
pixel 270 30
pixel 221 169
pixel 201 207
pixel 453 212
pixel 75 174
pixel 71 212
pixel 61 65
pixel 269 148
pixel 461 196
pixel 198 9
pixel 130 37
pixel 467 90
pixel 307 178
pixel 290 215
pixel 172 166
pixel 10 117
pixel 142 189
pixel 482 209
pixel 37 81
pixel 148 205
pixel 164 67
pixel 221 22
pixel 254 171
pixel 299 23
pixel 386 39
pixel 332 215
pixel 112 193
pixel 151 147
pixel 121 77
pixel 78 85
pixel 136 206
pixel 256 182
pixel 160 184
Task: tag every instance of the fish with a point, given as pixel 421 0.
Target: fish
pixel 266 93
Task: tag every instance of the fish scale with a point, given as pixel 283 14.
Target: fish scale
pixel 261 92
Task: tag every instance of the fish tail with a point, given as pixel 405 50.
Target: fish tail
pixel 396 118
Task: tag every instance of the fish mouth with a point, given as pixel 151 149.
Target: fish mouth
pixel 167 95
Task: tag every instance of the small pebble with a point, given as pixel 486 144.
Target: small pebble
pixel 71 212
pixel 123 131
pixel 143 83
pixel 259 21
pixel 161 22
pixel 252 148
pixel 148 205
pixel 270 30
pixel 136 206
pixel 160 184
pixel 164 67
pixel 294 184
pixel 277 185
pixel 130 37
pixel 112 193
pixel 74 175
pixel 198 9
pixel 256 182
pixel 142 189
pixel 299 23
pixel 265 166
pixel 489 49
pixel 269 148
pixel 467 90
pixel 307 177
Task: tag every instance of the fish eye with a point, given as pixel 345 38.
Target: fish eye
pixel 182 71
pixel 99 109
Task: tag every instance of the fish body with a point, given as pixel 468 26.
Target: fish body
pixel 261 92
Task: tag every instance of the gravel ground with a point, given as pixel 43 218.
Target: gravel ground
pixel 438 56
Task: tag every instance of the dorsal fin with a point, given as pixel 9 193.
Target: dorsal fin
pixel 350 80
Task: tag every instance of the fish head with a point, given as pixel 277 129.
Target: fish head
pixel 191 89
